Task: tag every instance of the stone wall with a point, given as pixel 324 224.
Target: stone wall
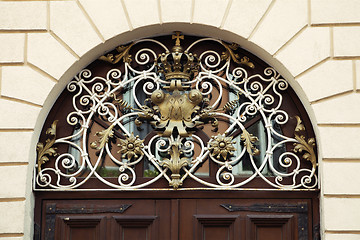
pixel 313 43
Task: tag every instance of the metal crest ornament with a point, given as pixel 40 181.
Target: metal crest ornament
pixel 201 114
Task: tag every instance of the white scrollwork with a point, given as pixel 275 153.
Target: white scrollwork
pixel 178 144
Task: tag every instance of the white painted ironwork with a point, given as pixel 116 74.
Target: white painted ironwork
pixel 258 95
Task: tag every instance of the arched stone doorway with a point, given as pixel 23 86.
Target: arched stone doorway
pixel 172 80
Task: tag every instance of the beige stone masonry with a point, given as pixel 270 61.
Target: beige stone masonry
pixel 20 15
pixel 340 142
pixel 338 75
pixel 343 109
pixel 20 145
pixel 175 10
pixel 11 184
pixel 279 26
pixel 108 16
pixel 346 41
pixel 344 236
pixel 11 238
pixel 17 80
pixel 244 15
pixel 14 220
pixel 46 53
pixel 307 49
pixel 341 177
pixel 142 12
pixel 209 12
pixel 76 31
pixel 17 115
pixel 341 214
pixel 12 47
pixel 335 11
pixel 357 75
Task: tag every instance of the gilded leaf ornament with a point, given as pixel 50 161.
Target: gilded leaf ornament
pixel 123 54
pixel 303 146
pixel 44 152
pixel 230 53
pixel 249 141
pixel 104 136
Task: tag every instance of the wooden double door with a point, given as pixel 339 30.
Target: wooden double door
pixel 214 218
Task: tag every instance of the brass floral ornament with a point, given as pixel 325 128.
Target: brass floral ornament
pixel 131 147
pixel 173 109
pixel 222 147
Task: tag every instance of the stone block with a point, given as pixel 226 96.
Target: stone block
pixel 346 42
pixel 13 181
pixel 20 143
pixel 14 220
pixel 357 69
pixel 175 11
pixel 70 25
pixel 342 236
pixel 17 115
pixel 336 75
pixel 244 15
pixel 108 16
pixel 142 12
pixel 20 15
pixel 334 11
pixel 24 83
pixel 209 12
pixel 305 50
pixel 341 177
pixel 340 142
pixel 273 32
pixel 342 109
pixel 12 47
pixel 341 214
pixel 48 54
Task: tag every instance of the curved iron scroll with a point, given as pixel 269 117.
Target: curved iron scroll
pixel 177 93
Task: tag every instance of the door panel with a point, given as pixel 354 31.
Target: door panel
pixel 270 227
pixel 246 219
pixel 106 219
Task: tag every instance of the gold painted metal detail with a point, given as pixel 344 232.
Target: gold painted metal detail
pixel 305 147
pixel 177 64
pixel 131 147
pixel 249 141
pixel 44 152
pixel 104 136
pixel 175 164
pixel 230 53
pixel 222 147
pixel 123 54
pixel 176 110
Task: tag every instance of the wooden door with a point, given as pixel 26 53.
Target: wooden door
pixel 178 219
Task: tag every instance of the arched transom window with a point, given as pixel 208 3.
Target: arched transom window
pixel 177 112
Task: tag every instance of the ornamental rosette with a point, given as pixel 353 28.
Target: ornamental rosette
pixel 131 147
pixel 222 146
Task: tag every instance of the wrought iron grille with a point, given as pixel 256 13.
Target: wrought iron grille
pixel 200 114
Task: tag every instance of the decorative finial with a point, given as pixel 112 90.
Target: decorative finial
pixel 177 37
